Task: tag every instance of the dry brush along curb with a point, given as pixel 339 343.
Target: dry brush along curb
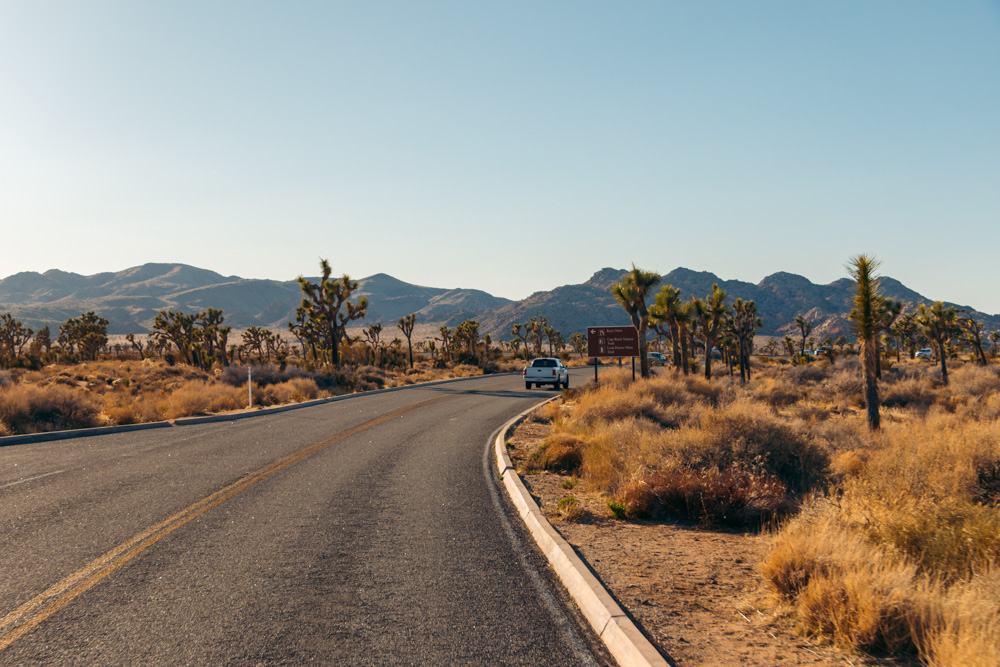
pixel 621 636
pixel 205 419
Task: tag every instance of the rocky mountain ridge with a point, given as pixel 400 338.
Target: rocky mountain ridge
pixel 130 300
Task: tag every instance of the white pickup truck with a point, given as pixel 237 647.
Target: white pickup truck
pixel 545 370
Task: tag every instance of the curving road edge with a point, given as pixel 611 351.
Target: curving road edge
pixel 622 638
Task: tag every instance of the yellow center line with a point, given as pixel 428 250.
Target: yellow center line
pixel 27 616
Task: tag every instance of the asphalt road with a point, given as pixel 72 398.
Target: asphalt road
pixel 366 531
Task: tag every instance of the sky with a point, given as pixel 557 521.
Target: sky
pixel 510 147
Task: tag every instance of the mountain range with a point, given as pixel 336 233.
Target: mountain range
pixel 130 300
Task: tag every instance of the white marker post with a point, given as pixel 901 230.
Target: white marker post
pixel 249 389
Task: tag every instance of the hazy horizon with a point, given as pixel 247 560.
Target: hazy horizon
pixel 518 298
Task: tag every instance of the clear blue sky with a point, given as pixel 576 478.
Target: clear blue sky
pixel 510 146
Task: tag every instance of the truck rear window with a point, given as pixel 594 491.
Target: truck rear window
pixel 543 363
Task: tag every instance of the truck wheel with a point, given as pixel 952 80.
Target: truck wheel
pixel 527 385
pixel 566 383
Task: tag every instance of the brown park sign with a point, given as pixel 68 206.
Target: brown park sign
pixel 612 342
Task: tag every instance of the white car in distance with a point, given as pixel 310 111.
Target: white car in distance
pixel 546 370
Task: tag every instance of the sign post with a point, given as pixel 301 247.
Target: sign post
pixel 612 342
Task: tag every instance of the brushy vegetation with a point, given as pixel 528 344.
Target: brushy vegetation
pixel 887 542
pixel 65 396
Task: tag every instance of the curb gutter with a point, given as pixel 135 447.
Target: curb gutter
pixel 619 634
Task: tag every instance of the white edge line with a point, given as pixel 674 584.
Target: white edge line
pixel 30 479
pixel 620 635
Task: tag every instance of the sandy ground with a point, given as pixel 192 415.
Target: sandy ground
pixel 696 593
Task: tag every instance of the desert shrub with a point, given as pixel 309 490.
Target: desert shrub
pixel 841 586
pixel 747 435
pixel 608 404
pixel 908 392
pixel 735 496
pixel 778 393
pixel 28 408
pixel 5 379
pixel 614 452
pixel 200 397
pixel 710 391
pixel 960 624
pixel 570 508
pixel 973 380
pixel 551 411
pixel 262 374
pixel 292 391
pixel 559 451
pixel 125 408
pixel 807 374
pixel 863 596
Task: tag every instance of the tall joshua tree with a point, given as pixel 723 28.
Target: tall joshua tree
pixel 631 293
pixel 711 314
pixel 865 318
pixel 327 306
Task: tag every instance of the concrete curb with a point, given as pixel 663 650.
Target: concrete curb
pixel 619 634
pixel 207 419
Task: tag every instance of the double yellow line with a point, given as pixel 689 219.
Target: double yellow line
pixel 33 612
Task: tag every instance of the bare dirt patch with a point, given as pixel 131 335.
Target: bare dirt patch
pixel 696 593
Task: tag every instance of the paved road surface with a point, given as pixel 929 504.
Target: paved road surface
pixel 365 531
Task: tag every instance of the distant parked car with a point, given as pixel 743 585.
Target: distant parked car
pixel 925 353
pixel 822 350
pixel 657 359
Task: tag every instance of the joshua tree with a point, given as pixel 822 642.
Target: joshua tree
pixel 579 343
pixel 373 335
pixel 631 293
pixel 684 317
pixel 664 314
pixel 867 324
pixel 137 345
pixel 523 333
pixel 89 333
pixel 13 337
pixel 888 312
pixel 742 326
pixel 972 333
pixel 710 313
pixel 536 328
pixel 805 326
pixel 445 342
pixel 468 332
pixel 327 306
pixel 406 325
pixel 939 324
pixel 789 345
pixel 41 343
pixel 995 338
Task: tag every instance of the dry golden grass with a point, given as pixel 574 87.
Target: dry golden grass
pixel 108 392
pixel 895 547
